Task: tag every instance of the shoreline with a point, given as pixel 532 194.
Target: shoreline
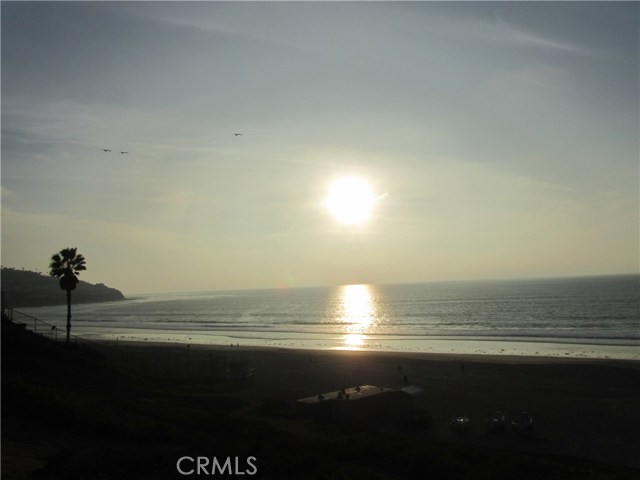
pixel 416 355
pixel 393 345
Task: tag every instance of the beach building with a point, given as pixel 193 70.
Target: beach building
pixel 356 404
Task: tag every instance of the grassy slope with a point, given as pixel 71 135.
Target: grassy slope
pixel 66 414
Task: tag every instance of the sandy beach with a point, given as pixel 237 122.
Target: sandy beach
pixel 581 407
pixel 134 409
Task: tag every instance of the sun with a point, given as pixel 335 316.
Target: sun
pixel 350 200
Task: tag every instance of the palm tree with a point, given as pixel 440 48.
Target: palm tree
pixel 65 266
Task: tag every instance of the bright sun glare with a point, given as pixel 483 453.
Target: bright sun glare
pixel 350 200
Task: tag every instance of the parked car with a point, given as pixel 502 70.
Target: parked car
pixel 522 423
pixel 496 422
pixel 459 423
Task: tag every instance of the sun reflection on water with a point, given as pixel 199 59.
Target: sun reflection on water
pixel 353 341
pixel 358 313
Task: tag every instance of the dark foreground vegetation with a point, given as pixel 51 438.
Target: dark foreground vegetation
pixel 22 288
pixel 66 414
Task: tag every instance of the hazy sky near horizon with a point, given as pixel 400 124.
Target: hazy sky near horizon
pixel 500 139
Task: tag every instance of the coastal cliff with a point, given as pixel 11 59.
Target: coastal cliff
pixel 22 288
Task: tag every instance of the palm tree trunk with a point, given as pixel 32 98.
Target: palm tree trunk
pixel 68 314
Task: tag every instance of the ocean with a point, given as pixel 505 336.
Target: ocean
pixel 595 317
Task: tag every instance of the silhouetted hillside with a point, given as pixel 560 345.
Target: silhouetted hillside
pixel 22 288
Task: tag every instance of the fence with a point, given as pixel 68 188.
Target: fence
pixel 167 361
pixel 37 326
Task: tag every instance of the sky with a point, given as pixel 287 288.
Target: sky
pixel 500 140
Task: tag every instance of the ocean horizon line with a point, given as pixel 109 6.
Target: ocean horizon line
pixel 133 295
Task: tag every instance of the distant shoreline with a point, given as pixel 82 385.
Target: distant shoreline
pixel 26 289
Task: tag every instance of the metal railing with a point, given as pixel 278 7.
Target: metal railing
pixel 163 361
pixel 38 326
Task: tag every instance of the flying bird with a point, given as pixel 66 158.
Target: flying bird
pixel 106 149
pixel 237 134
pixel 123 153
